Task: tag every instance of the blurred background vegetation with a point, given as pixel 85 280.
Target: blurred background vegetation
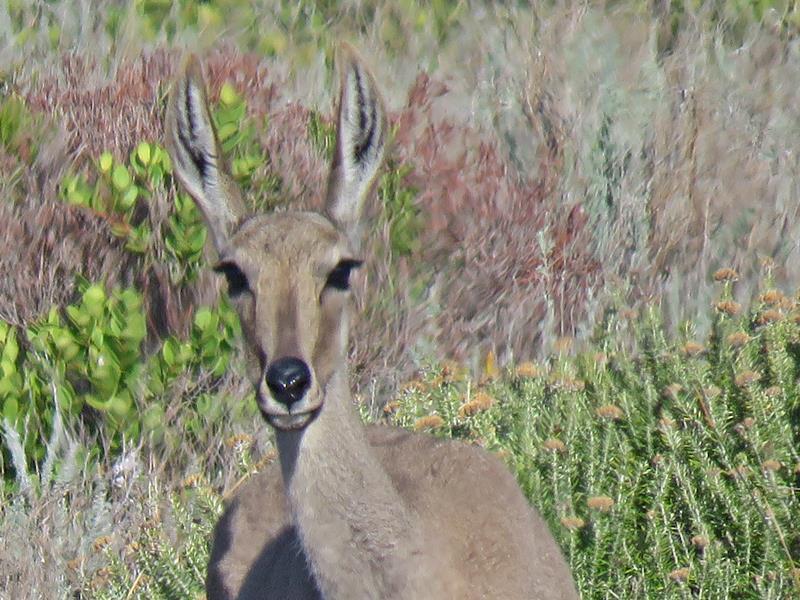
pixel 586 258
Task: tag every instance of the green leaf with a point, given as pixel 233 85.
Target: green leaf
pixel 78 317
pixel 106 162
pixel 153 418
pixel 11 409
pixel 120 178
pixel 228 95
pixel 11 348
pixel 227 131
pixel 105 373
pixel 143 153
pixel 128 198
pixel 94 299
pixel 204 319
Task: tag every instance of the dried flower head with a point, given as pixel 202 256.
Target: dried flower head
pixel 728 307
pixel 692 348
pixel 415 385
pixel 101 542
pixel 554 445
pixel 679 575
pixel 528 370
pixel 568 384
pixel 428 422
pixel 601 503
pixel 711 392
pixel 726 274
pixel 740 472
pixel 673 390
pixel 76 564
pixel 238 441
pixel 738 339
pixel 391 407
pixel 490 369
pixel 573 523
pixel 771 465
pixel 480 402
pixel 700 542
pixel 666 423
pixel 746 378
pixel 563 344
pixel 194 480
pixel 610 412
pixel 600 359
pixel 773 391
pixel 772 297
pixel 268 458
pixel 769 316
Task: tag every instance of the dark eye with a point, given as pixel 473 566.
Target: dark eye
pixel 339 277
pixel 237 281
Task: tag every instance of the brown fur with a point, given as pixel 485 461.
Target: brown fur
pixel 347 511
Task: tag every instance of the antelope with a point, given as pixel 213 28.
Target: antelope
pixel 347 511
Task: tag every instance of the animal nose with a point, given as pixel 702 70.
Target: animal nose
pixel 288 379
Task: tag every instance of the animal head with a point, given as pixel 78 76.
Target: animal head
pixel 288 273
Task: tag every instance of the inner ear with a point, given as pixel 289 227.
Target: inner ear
pixel 339 276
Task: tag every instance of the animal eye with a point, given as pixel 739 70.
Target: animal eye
pixel 339 277
pixel 237 281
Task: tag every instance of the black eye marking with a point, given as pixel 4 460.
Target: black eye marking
pixel 339 277
pixel 237 281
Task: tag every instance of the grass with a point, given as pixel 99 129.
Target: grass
pixel 565 182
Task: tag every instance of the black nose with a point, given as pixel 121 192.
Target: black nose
pixel 288 379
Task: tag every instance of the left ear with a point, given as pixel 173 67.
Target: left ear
pixel 360 143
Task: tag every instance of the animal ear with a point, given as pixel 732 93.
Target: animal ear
pixel 360 143
pixel 197 155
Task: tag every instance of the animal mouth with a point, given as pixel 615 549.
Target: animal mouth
pixel 290 422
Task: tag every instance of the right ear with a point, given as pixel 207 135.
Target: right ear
pixel 197 155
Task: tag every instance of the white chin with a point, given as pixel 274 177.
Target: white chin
pixel 290 422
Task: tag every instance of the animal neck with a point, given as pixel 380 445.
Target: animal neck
pixel 360 539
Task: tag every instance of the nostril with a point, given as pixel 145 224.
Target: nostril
pixel 288 379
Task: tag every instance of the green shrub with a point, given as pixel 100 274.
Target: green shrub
pixel 666 472
pixel 89 366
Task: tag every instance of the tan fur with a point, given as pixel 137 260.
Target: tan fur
pixel 348 511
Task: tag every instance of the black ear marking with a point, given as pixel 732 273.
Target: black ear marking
pixel 237 280
pixel 197 155
pixel 339 277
